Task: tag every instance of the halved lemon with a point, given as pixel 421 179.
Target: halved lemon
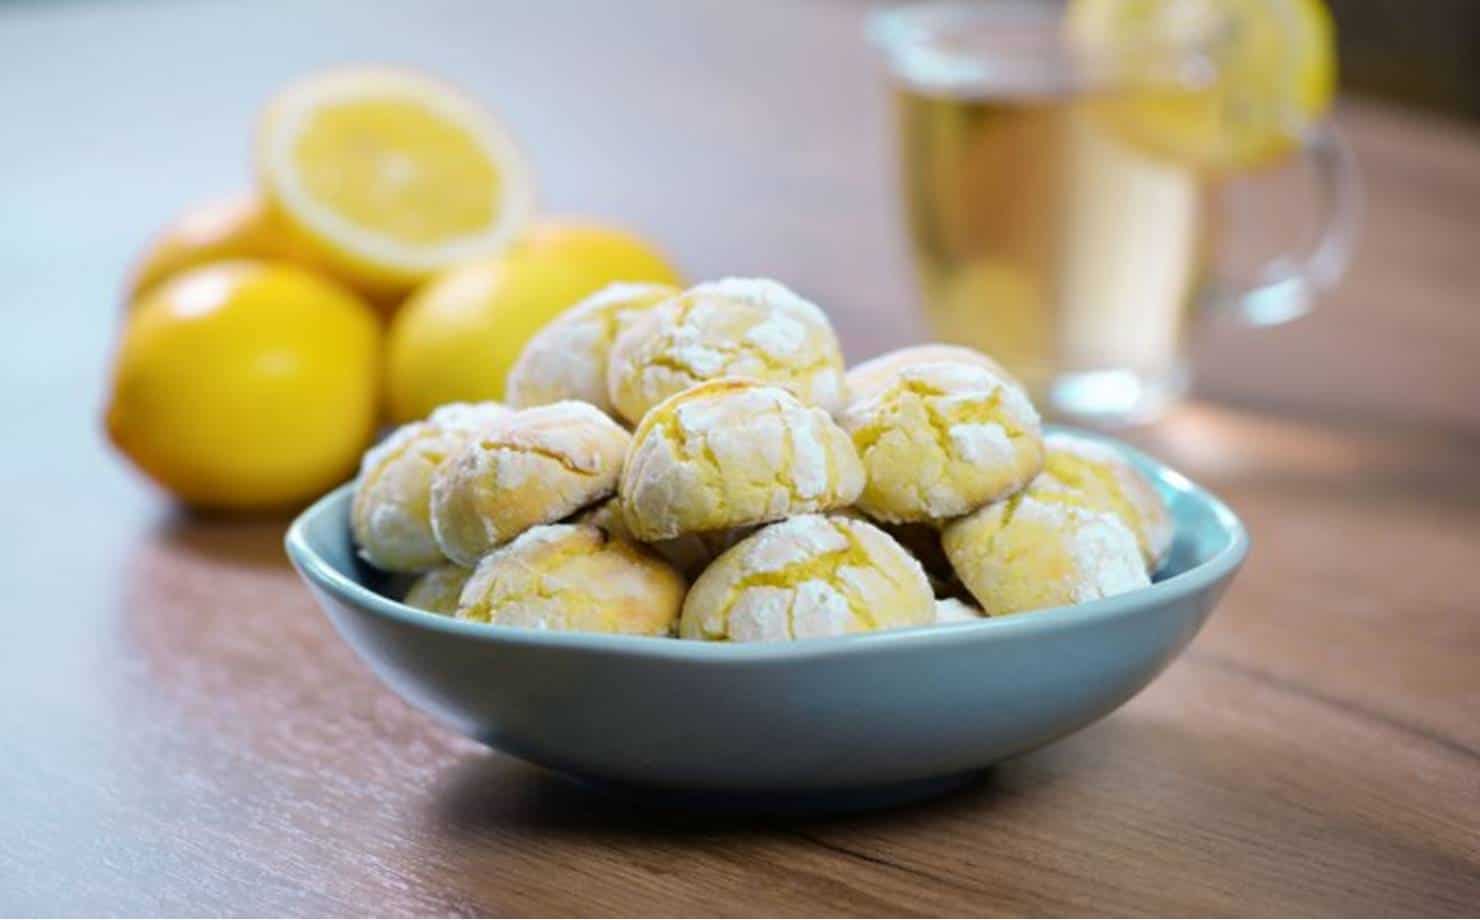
pixel 389 176
pixel 1216 84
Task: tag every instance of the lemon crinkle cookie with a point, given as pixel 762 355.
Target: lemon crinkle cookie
pixel 1111 483
pixel 942 439
pixel 808 576
pixel 567 359
pixel 574 577
pixel 732 452
pixel 541 465
pixel 738 327
pixel 1044 547
pixel 391 515
pixel 437 591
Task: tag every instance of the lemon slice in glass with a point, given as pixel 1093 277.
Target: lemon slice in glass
pixel 389 176
pixel 1222 85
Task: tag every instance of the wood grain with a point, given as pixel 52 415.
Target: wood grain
pixel 183 733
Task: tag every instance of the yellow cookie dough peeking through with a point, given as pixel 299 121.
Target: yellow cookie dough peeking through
pixel 1109 482
pixel 807 577
pixel 942 439
pixel 567 359
pixel 732 452
pixel 574 577
pixel 437 591
pixel 738 327
pixel 391 514
pixel 1044 547
pixel 541 465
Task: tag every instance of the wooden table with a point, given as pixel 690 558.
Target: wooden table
pixel 181 731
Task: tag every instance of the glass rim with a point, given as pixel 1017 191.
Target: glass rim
pixel 960 45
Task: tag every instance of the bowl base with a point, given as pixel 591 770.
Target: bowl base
pixel 783 802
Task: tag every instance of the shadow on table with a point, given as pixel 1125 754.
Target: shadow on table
pixel 496 791
pixel 1284 450
pixel 1168 765
pixel 254 541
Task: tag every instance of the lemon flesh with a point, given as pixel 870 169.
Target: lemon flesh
pixel 393 168
pixel 389 176
pixel 1220 85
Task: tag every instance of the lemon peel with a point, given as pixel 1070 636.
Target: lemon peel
pixel 877 373
pixel 458 336
pixel 237 227
pixel 246 385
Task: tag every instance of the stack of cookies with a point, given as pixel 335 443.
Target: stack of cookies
pixel 701 463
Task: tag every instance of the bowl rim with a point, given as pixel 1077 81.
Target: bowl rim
pixel 317 570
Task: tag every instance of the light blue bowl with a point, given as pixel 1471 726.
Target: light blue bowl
pixel 860 719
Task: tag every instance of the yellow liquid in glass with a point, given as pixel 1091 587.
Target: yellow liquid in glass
pixel 1047 241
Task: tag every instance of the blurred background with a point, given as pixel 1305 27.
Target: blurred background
pixel 125 113
pixel 1421 54
pixel 169 674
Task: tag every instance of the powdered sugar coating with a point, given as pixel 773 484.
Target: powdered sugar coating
pixel 746 327
pixel 390 517
pixel 941 439
pixel 1040 549
pixel 955 610
pixel 878 372
pixel 1111 482
pixel 730 453
pixel 469 418
pixel 808 576
pixel 567 358
pixel 539 466
pixel 573 578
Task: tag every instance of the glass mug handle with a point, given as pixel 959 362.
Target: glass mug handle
pixel 1288 283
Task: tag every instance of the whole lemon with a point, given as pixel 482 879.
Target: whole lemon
pixel 246 385
pixel 457 337
pixel 237 227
